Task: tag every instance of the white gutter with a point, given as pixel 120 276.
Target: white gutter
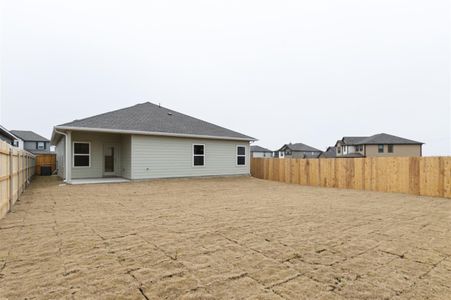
pixel 67 168
pixel 155 133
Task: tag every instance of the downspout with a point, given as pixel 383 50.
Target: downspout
pixel 67 178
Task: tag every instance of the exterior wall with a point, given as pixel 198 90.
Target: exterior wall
pixel 60 150
pixel 20 144
pixel 5 139
pixel 261 154
pixel 398 150
pixel 31 145
pixel 97 140
pixel 339 146
pixel 164 157
pixel 302 154
pixel 126 157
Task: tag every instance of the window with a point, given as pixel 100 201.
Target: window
pixel 40 145
pixel 241 155
pixel 390 148
pixel 339 150
pixel 82 154
pixel 198 155
pixel 380 148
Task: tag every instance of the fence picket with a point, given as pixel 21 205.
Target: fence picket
pixel 427 176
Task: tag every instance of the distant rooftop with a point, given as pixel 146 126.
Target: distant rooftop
pixel 381 138
pixel 301 147
pixel 27 135
pixel 256 148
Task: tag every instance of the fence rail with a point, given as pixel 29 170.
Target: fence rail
pixel 16 170
pixel 45 160
pixel 427 176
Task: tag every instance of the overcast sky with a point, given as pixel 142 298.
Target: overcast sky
pixel 281 71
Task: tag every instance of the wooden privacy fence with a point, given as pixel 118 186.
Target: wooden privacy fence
pixel 426 176
pixel 16 170
pixel 45 160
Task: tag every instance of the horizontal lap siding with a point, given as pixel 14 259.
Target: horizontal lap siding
pixel 126 156
pixel 60 157
pixel 164 157
pixel 98 140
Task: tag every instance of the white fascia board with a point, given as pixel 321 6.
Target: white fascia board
pixel 120 131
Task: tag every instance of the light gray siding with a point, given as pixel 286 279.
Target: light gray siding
pixel 163 157
pixel 60 154
pixel 98 141
pixel 261 154
pixel 126 156
pixel 31 145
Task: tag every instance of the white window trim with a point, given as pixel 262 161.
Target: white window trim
pixel 236 156
pixel 73 154
pixel 204 155
pixel 43 146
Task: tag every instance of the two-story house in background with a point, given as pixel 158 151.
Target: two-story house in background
pixel 297 150
pixel 378 145
pixel 32 141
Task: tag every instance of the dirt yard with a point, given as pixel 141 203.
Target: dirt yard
pixel 223 238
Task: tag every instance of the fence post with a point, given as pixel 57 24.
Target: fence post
pixel 11 176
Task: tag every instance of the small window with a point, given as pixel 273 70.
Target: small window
pixel 390 148
pixel 82 154
pixel 380 148
pixel 198 155
pixel 40 146
pixel 339 150
pixel 241 155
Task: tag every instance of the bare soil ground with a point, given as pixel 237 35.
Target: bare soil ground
pixel 223 238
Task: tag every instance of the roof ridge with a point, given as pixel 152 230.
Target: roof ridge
pixel 150 117
pixel 108 112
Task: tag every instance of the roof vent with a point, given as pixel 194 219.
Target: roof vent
pixel 169 114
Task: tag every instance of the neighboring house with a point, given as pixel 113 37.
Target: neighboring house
pixel 33 142
pixel 377 145
pixel 8 137
pixel 329 153
pixel 298 150
pixel 258 151
pixel 148 141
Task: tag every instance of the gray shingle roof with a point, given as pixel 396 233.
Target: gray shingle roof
pixel 149 117
pixel 27 135
pixel 381 138
pixel 329 153
pixel 256 148
pixel 353 140
pixel 301 147
pixel 7 133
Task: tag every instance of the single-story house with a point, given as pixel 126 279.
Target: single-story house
pixel 258 151
pixel 33 142
pixel 378 145
pixel 148 141
pixel 298 150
